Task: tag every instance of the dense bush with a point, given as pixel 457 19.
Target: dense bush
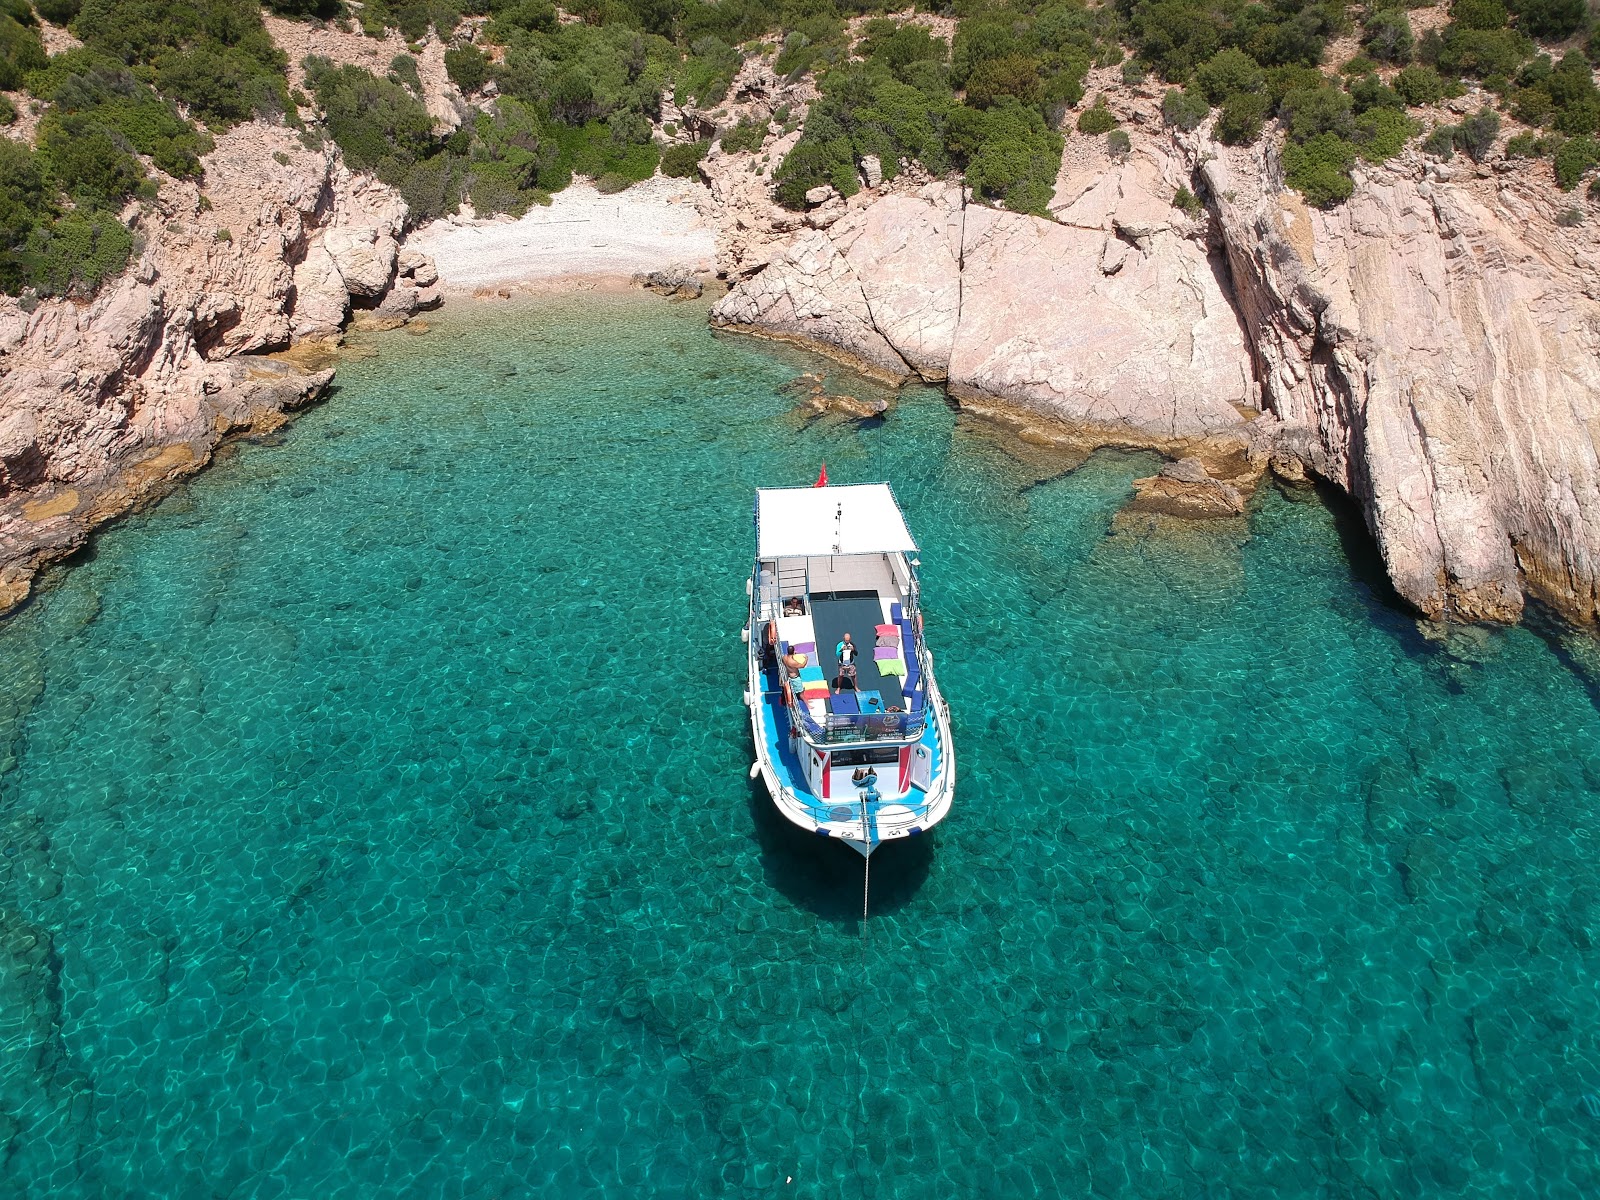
pixel 1576 157
pixel 1319 169
pixel 1388 37
pixel 1381 133
pixel 1475 136
pixel 682 161
pixel 1011 155
pixel 372 119
pixel 1228 72
pixel 1551 19
pixel 103 91
pixel 21 50
pixel 1441 142
pixel 403 68
pixel 213 55
pixel 1118 144
pixel 468 68
pixel 1562 95
pixel 1239 123
pixel 1419 84
pixel 55 252
pixel 1183 110
pixel 1096 119
pixel 745 137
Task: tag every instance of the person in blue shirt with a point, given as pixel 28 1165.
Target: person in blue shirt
pixel 845 652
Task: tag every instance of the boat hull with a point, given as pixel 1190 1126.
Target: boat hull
pixel 863 825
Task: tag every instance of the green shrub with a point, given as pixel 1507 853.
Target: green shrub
pixel 1441 142
pixel 21 51
pixel 76 253
pixel 1550 19
pixel 1183 110
pixel 403 68
pixel 1368 91
pixel 1096 120
pixel 1381 133
pixel 91 163
pixel 1187 202
pixel 612 182
pixel 1319 169
pixel 1011 155
pixel 1574 160
pixel 1476 135
pixel 8 111
pixel 682 161
pixel 1388 37
pixel 58 12
pixel 224 236
pixel 370 118
pixel 1523 145
pixel 1571 218
pixel 468 68
pixel 1480 14
pixel 1118 144
pixel 1133 72
pixel 1311 112
pixel 1419 84
pixel 1228 72
pixel 708 72
pixel 1239 123
pixel 745 137
pixel 105 92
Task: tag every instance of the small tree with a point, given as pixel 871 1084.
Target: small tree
pixel 1388 36
pixel 1183 110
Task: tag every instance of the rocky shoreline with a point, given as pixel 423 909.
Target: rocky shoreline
pixel 1429 347
pixel 105 405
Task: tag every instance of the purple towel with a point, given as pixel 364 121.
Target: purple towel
pixel 886 654
pixel 805 648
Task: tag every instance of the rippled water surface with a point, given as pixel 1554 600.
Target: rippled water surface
pixel 375 823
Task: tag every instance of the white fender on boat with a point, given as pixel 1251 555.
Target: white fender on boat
pixel 749 586
pixel 755 769
pixel 747 696
pixel 744 635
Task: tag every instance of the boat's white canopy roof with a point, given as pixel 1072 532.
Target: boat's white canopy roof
pixel 815 522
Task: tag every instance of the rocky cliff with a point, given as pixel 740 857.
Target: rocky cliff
pixel 1430 346
pixel 104 403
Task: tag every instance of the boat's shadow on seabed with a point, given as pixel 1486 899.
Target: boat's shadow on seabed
pixel 824 876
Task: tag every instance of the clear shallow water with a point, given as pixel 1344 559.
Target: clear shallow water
pixel 375 823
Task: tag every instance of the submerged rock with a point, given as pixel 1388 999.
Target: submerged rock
pixel 1185 489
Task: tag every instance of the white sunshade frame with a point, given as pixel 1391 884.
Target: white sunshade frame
pixel 820 522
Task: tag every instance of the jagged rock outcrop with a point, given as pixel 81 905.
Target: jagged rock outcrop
pixel 1431 346
pixel 103 403
pixel 1111 317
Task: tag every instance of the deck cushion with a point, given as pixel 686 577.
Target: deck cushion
pixel 844 704
pixel 891 666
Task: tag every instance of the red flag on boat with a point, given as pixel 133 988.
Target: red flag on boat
pixel 822 479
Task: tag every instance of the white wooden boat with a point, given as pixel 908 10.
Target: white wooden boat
pixel 867 764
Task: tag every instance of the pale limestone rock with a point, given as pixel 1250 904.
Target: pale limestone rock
pixel 364 257
pixel 107 401
pixel 871 170
pixel 1432 348
pixel 820 194
pixel 1016 308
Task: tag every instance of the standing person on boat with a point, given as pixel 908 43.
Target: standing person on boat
pixel 845 652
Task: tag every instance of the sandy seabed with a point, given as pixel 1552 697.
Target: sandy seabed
pixel 582 234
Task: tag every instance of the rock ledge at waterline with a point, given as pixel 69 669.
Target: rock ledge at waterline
pixel 1430 347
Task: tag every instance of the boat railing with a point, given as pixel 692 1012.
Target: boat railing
pixel 833 728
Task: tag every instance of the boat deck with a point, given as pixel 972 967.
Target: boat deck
pixel 791 774
pixel 856 614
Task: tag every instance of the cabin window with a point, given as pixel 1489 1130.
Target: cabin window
pixel 875 756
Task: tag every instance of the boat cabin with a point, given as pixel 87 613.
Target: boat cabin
pixel 833 561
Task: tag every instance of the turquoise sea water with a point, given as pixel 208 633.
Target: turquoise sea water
pixel 375 822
